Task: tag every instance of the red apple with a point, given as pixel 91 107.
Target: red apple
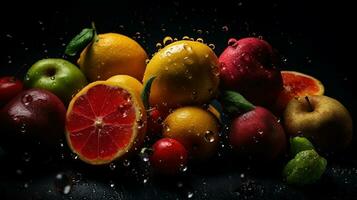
pixel 9 88
pixel 257 134
pixel 31 118
pixel 248 66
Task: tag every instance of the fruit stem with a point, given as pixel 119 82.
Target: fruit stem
pixel 95 37
pixel 309 103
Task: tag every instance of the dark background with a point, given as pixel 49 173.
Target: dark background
pixel 314 38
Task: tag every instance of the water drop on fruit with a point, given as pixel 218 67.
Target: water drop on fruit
pixel 199 31
pixel 167 40
pixel 212 46
pixel 199 40
pixel 186 38
pixel 52 77
pixel 26 99
pixel 147 61
pixel 209 136
pixel 232 42
pixel 158 45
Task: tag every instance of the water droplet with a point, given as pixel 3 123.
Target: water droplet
pixel 26 185
pixel 260 132
pixel 187 60
pixel 158 45
pixel 145 180
pixel 179 184
pixel 112 166
pixel 52 77
pixel 210 91
pixel 167 128
pixel 242 175
pixel 209 136
pixel 26 157
pixel 225 28
pixel 167 40
pixel 194 95
pixel 9 36
pixel 146 153
pixel 199 40
pixel 186 38
pixel 27 99
pixel 199 31
pixel 62 183
pixel 111 184
pixel 232 42
pixel 212 46
pixel 147 61
pixel 23 128
pixel 189 194
pixel 19 172
pixel 183 168
pixel 126 163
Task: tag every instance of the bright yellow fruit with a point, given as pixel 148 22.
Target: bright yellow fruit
pixel 186 74
pixel 112 54
pixel 127 81
pixel 196 128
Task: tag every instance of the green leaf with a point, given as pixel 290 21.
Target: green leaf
pixel 298 144
pixel 234 102
pixel 80 41
pixel 146 92
pixel 306 168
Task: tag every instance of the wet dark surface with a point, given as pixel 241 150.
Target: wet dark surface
pixel 311 38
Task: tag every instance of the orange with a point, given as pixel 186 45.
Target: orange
pixel 104 122
pixel 127 81
pixel 112 54
pixel 186 73
pixel 196 128
pixel 297 84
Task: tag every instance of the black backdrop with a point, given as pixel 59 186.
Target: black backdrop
pixel 315 38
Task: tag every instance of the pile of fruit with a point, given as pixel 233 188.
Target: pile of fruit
pixel 177 105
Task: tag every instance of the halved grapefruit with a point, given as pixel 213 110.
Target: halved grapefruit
pixel 297 84
pixel 104 122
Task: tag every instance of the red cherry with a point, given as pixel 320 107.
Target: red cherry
pixel 9 88
pixel 168 156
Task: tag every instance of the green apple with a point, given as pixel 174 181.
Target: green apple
pixel 59 76
pixel 323 120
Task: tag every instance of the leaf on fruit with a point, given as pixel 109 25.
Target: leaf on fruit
pixel 298 144
pixel 80 41
pixel 146 92
pixel 235 103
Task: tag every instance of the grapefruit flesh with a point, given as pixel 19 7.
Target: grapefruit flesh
pixel 297 84
pixel 102 123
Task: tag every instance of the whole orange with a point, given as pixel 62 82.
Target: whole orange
pixel 112 54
